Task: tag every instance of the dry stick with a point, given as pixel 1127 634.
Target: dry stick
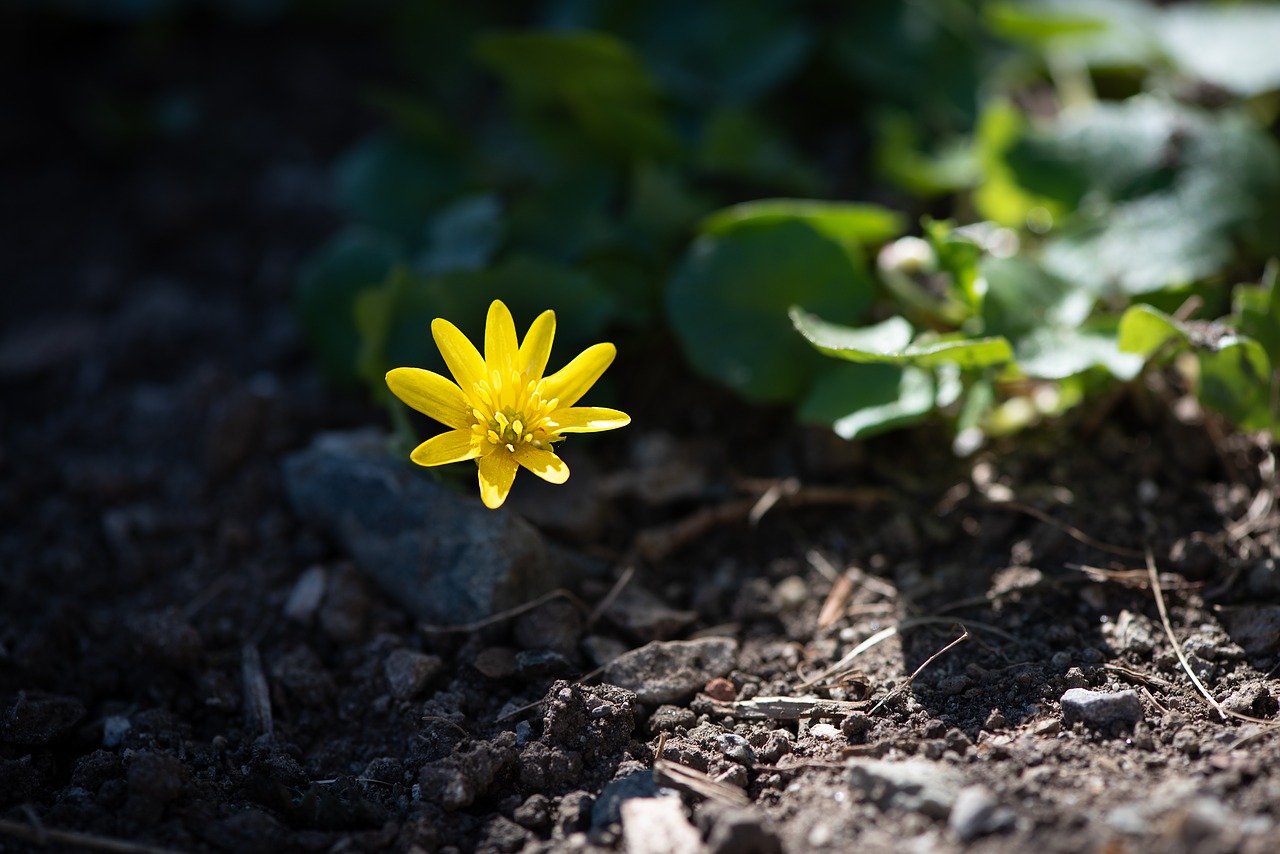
pixel 930 660
pixel 507 614
pixel 1168 630
pixel 44 835
pixel 1182 658
pixel 623 581
pixel 847 659
pixel 1074 533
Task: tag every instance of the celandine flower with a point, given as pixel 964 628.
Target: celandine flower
pixel 503 411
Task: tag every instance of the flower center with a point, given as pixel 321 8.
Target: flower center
pixel 510 412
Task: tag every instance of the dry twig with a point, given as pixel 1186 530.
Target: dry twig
pixel 1074 533
pixel 930 660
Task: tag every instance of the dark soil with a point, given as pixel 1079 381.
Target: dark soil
pixel 187 664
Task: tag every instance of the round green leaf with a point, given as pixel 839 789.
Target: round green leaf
pixel 728 303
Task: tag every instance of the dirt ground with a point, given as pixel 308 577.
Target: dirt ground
pixel 754 643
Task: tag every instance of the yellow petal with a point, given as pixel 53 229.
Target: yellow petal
pixel 451 447
pixel 500 345
pixel 460 355
pixel 573 380
pixel 431 394
pixel 536 347
pixel 544 464
pixel 587 419
pixel 497 471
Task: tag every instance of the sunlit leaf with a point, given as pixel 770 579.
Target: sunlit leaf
pixel 1228 45
pixel 888 342
pixel 845 221
pixel 860 400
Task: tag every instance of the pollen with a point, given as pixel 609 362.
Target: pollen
pixel 510 412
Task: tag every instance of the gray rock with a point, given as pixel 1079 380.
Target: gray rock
pixel 408 672
pixel 915 785
pixel 976 812
pixel 307 594
pixel 667 671
pixel 1255 627
pixel 658 826
pixel 445 557
pixel 1101 710
pixel 607 809
pixel 645 616
pixel 738 830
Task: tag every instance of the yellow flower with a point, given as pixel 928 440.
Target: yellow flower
pixel 503 411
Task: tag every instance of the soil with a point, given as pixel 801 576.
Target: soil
pixel 188 664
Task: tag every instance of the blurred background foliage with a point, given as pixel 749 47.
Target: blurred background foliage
pixel 875 212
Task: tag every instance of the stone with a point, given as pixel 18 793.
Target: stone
pixel 658 826
pixel 444 557
pixel 739 830
pixel 408 672
pixel 670 671
pixel 914 785
pixel 976 812
pixel 1100 709
pixel 607 809
pixel 305 597
pixel 1254 627
pixel 645 616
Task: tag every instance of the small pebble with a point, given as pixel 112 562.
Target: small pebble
pixel 114 729
pixel 1098 709
pixel 721 689
pixel 824 730
pixel 976 812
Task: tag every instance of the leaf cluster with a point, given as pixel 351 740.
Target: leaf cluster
pixel 1056 183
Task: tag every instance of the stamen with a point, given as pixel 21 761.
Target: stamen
pixel 528 438
pixel 493 437
pixel 502 421
pixel 517 426
pixel 483 393
pixel 511 447
pixel 479 415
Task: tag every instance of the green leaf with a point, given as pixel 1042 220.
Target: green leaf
pixel 1144 330
pixel 888 342
pixel 1174 193
pixel 1258 310
pixel 1056 353
pixel 394 185
pixel 851 222
pixel 1022 298
pixel 1236 380
pixel 1232 46
pixel 463 236
pixel 329 283
pixel 860 400
pixel 1235 375
pixel 728 302
pixel 594 77
pixel 737 143
pixel 1099 33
